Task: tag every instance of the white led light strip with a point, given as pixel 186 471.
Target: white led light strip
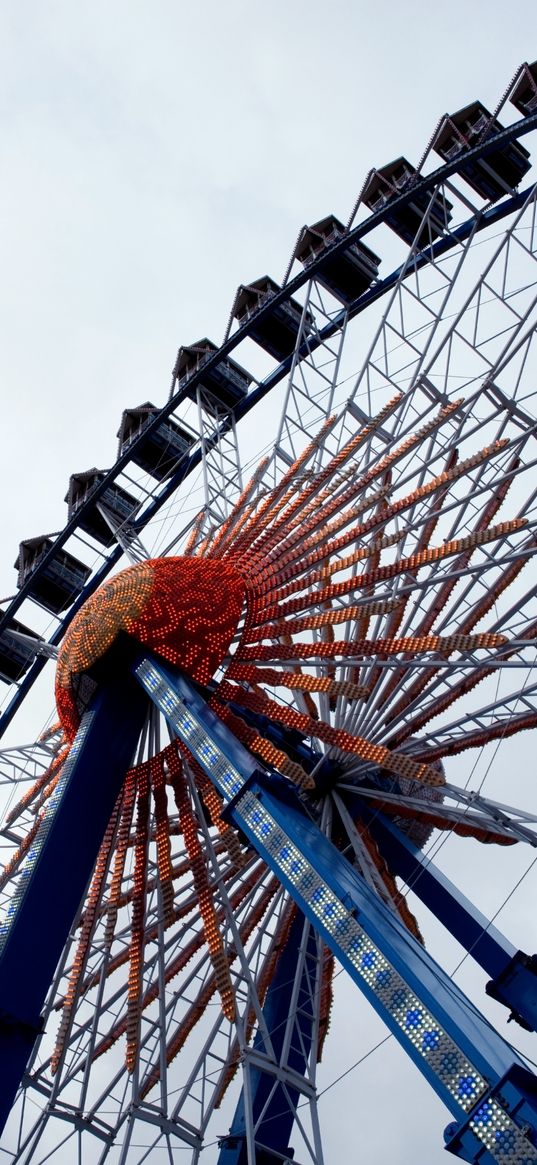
pixel 214 762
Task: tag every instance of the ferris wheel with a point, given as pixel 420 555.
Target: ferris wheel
pixel 301 597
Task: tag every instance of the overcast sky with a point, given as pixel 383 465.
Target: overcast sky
pixel 154 155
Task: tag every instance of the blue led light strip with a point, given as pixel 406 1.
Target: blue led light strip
pixel 460 1083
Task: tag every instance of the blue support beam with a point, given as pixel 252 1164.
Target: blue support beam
pixel 513 973
pixel 465 922
pixel 273 1106
pixel 58 867
pixel 481 1080
pixel 347 912
pixel 486 1087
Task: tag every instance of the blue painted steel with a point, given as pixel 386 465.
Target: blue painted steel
pixel 469 1031
pixel 58 867
pixel 514 974
pixel 516 988
pixel 448 1039
pixel 289 739
pixel 273 1106
pixel 464 921
pixel 516 1095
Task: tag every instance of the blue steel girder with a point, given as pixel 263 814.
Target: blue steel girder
pixel 513 973
pixel 486 1088
pixel 274 1101
pixel 58 867
pixel 474 1071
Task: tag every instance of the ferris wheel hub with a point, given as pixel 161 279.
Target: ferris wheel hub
pixel 185 609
